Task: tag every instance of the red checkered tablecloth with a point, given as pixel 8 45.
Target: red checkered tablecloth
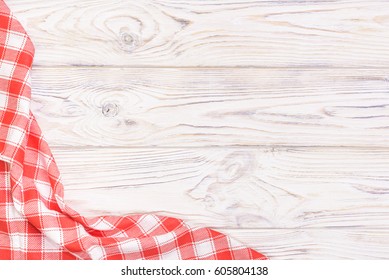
pixel 35 222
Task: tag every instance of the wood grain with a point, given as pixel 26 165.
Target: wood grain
pixel 232 187
pixel 264 119
pixel 212 107
pixel 315 244
pixel 231 33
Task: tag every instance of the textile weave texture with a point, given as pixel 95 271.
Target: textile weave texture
pixel 36 223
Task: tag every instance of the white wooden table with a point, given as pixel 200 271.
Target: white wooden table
pixel 266 120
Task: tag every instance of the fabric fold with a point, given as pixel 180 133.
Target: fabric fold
pixel 36 223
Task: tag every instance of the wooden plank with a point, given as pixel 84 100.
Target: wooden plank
pixel 212 107
pixel 315 244
pixel 232 187
pixel 219 33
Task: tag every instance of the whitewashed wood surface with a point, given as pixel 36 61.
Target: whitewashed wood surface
pixel 289 33
pixel 212 107
pixel 267 120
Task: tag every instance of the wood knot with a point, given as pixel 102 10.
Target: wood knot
pixel 129 41
pixel 110 109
